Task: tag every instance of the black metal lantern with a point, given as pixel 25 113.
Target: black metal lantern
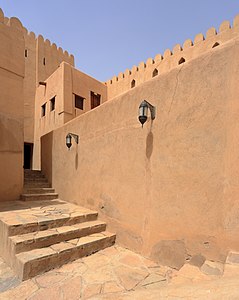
pixel 143 111
pixel 68 139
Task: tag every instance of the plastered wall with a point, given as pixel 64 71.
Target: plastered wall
pixel 168 190
pixel 11 108
pixel 172 58
pixel 42 58
pixel 63 84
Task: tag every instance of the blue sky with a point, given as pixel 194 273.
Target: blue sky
pixel 108 36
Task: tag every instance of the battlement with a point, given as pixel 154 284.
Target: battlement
pixel 48 45
pixel 11 22
pixel 172 58
pixel 29 35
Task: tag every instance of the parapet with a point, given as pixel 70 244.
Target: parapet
pixel 52 47
pixel 31 37
pixel 172 58
pixel 11 22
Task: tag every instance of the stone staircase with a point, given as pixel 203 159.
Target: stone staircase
pixel 36 187
pixel 41 232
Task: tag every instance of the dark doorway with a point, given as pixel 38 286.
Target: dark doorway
pixel 28 149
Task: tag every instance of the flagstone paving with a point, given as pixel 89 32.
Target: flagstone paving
pixel 117 273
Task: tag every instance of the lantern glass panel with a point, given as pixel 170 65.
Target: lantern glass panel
pixel 143 110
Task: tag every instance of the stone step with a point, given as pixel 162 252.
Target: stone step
pixel 36 221
pixel 33 173
pixel 40 239
pixel 37 261
pixel 30 190
pixel 35 197
pixel 38 179
pixel 36 184
pixel 28 177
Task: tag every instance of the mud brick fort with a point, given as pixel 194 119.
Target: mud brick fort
pixel 168 191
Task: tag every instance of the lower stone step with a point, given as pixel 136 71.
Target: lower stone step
pixel 36 190
pixel 37 261
pixel 34 197
pixel 37 184
pixel 37 179
pixel 45 238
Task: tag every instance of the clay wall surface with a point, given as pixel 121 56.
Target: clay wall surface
pixel 81 84
pixel 53 118
pixel 168 190
pixel 29 85
pixel 43 58
pixel 63 84
pixel 172 58
pixel 11 108
pixel 49 58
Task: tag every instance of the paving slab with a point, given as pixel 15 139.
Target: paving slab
pixel 117 273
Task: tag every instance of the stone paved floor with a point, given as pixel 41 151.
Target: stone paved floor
pixel 117 273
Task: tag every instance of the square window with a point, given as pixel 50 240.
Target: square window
pixel 52 103
pixel 79 102
pixel 43 110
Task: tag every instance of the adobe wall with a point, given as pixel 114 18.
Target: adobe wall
pixel 172 58
pixel 79 83
pixel 29 85
pixel 43 59
pixel 63 84
pixel 11 108
pixel 49 58
pixel 52 119
pixel 168 190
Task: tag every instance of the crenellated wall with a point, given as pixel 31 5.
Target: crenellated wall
pixel 170 189
pixel 42 58
pixel 11 107
pixel 172 58
pixel 29 84
pixel 49 58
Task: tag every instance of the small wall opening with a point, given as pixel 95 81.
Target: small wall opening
pixel 94 99
pixel 43 110
pixel 52 103
pixel 215 45
pixel 155 72
pixel 44 61
pixel 26 53
pixel 181 61
pixel 79 102
pixel 133 83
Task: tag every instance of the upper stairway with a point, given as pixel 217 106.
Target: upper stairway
pixel 41 232
pixel 36 187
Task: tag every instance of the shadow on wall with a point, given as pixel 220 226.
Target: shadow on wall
pixel 149 144
pixel 77 156
pixel 76 160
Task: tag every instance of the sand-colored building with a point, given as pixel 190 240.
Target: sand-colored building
pixel 169 190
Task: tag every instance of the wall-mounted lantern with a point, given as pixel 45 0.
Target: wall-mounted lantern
pixel 68 139
pixel 143 111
